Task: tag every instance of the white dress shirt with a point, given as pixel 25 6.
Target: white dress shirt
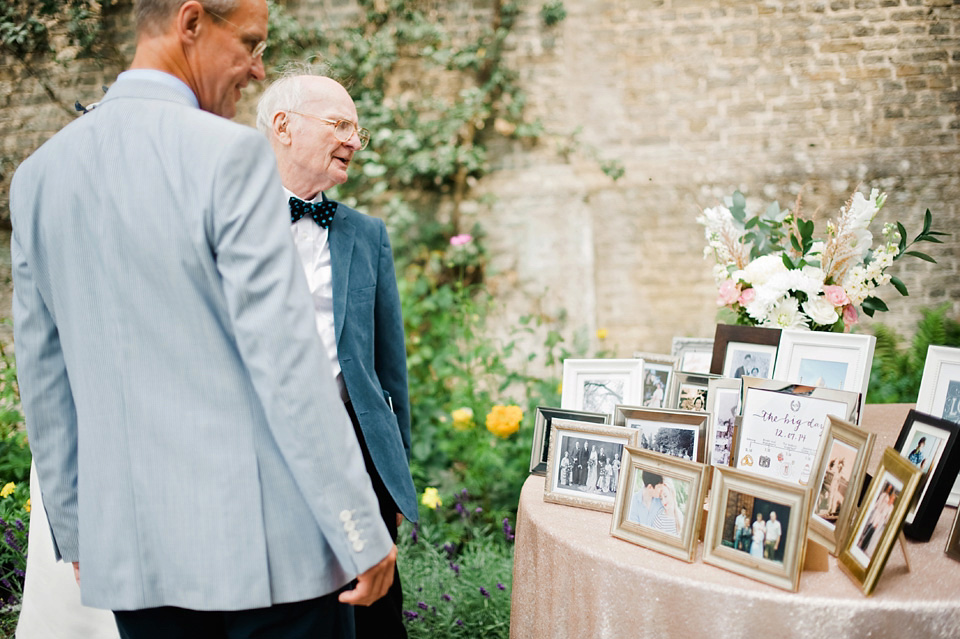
pixel 314 250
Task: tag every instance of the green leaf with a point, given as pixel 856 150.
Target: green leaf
pixel 930 238
pixel 795 243
pixel 874 304
pixel 899 285
pixel 927 221
pixel 787 261
pixel 752 222
pixel 903 236
pixel 922 256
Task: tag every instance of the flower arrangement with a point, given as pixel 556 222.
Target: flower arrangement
pixel 771 271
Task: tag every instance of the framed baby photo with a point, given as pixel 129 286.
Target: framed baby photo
pixel 677 433
pixel 693 353
pixel 744 351
pixel 689 391
pixel 541 432
pixel 657 373
pixel 584 463
pixel 838 481
pixel 597 385
pixel 757 527
pixel 930 443
pixel 953 542
pixel 660 503
pixel 840 361
pixel 940 393
pixel 781 427
pixel 868 542
pixel 723 406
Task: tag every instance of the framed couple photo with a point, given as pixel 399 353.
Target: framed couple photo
pixel 660 503
pixel 940 393
pixel 744 351
pixel 597 385
pixel 676 433
pixel 540 448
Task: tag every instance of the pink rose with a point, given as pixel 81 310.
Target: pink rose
pixel 729 292
pixel 747 296
pixel 837 296
pixel 850 316
pixel 460 240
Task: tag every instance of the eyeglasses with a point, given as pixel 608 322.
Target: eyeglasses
pixel 256 47
pixel 343 130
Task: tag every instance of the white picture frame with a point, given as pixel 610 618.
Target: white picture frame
pixel 939 387
pixel 599 385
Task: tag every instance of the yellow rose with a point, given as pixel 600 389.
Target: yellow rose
pixel 27 505
pixel 7 490
pixel 504 421
pixel 602 334
pixel 462 418
pixel 431 498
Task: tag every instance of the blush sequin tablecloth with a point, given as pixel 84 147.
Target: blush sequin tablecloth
pixel 573 579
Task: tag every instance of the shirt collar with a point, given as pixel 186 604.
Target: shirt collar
pixel 161 77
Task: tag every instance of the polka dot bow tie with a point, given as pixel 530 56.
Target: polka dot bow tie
pixel 320 212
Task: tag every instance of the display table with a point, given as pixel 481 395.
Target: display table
pixel 572 579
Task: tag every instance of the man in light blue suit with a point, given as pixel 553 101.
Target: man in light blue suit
pixel 196 462
pixel 311 123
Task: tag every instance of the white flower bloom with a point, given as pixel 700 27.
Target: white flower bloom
pixel 862 211
pixel 786 314
pixel 760 270
pixel 820 310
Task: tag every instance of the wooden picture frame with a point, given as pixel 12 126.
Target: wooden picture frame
pixel 723 406
pixel 779 559
pixel 693 354
pixel 734 346
pixel 597 385
pixel 868 542
pixel 940 393
pixel 667 429
pixel 540 446
pixel 649 483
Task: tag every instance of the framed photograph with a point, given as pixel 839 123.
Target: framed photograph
pixel 781 426
pixel 757 527
pixel 953 543
pixel 689 391
pixel 657 374
pixel 931 444
pixel 744 351
pixel 693 353
pixel 867 544
pixel 723 406
pixel 541 432
pixel 660 503
pixel 584 462
pixel 940 393
pixel 677 433
pixel 840 361
pixel 843 466
pixel 597 385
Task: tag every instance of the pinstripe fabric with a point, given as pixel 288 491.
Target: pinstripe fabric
pixel 168 367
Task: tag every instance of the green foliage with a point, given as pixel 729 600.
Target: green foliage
pixel 553 13
pixel 14 522
pixel 26 26
pixel 898 367
pixel 14 451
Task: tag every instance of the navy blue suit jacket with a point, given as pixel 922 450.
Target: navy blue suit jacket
pixel 370 346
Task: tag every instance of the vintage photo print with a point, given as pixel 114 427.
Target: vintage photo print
pixel 656 378
pixel 829 498
pixel 602 392
pixel 755 526
pixel 597 385
pixel 924 447
pixel 668 438
pixel 541 432
pixel 588 464
pixel 692 397
pixel 659 502
pixel 822 373
pixel 873 525
pixel 745 360
pixel 725 403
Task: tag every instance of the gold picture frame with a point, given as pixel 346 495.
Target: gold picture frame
pixel 642 420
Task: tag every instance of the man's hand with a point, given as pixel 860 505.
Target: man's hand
pixel 372 584
pixel 76 571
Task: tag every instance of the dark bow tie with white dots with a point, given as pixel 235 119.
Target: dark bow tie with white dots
pixel 320 212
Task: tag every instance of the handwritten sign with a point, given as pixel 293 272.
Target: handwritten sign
pixel 780 433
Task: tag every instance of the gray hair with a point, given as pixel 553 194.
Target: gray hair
pixel 286 92
pixel 152 16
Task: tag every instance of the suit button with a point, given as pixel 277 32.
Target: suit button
pixel 358 546
pixel 345 515
pixel 349 525
pixel 353 535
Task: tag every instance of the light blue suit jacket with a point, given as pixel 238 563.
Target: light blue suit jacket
pixel 190 442
pixel 370 346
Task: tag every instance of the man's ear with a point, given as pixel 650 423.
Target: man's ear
pixel 281 127
pixel 189 23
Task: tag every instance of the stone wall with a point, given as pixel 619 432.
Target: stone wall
pixel 694 98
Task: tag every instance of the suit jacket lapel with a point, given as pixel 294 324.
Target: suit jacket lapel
pixel 341 238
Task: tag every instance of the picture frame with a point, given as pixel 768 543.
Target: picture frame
pixel 940 393
pixel 689 391
pixel 693 353
pixel 577 483
pixel 723 406
pixel 660 503
pixel 738 497
pixel 930 443
pixel 657 376
pixel 737 350
pixel 869 540
pixel 597 385
pixel 838 481
pixel 677 433
pixel 781 427
pixel 541 432
pixel 953 541
pixel 839 361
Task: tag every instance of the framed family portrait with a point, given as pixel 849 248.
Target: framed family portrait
pixel 584 463
pixel 541 432
pixel 744 351
pixel 597 385
pixel 660 503
pixel 867 544
pixel 723 406
pixel 757 527
pixel 838 481
pixel 657 373
pixel 940 393
pixel 840 361
pixel 693 353
pixel 931 444
pixel 689 391
pixel 677 433
pixel 781 427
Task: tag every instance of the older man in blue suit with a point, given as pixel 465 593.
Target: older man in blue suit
pixel 181 411
pixel 311 123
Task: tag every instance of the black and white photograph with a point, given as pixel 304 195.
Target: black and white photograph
pixel 676 440
pixel 750 363
pixel 542 424
pixel 655 380
pixel 725 402
pixel 755 526
pixel 597 385
pixel 692 397
pixel 744 351
pixel 601 394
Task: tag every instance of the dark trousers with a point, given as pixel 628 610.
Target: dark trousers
pixel 321 618
pixel 383 619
